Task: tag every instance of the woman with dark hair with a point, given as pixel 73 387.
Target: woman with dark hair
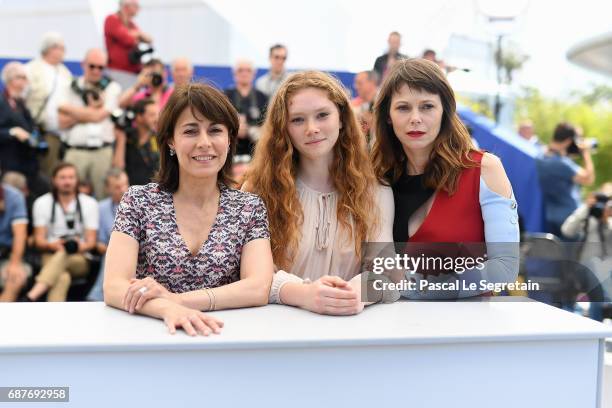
pixel 324 201
pixel 189 242
pixel 445 190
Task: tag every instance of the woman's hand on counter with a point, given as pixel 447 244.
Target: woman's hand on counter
pixel 190 320
pixel 141 291
pixel 331 295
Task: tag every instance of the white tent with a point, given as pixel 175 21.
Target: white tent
pixel 340 35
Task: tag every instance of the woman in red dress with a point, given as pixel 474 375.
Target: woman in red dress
pixel 445 190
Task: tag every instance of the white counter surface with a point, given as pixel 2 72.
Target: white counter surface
pixel 61 327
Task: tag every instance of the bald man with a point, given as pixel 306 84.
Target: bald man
pixel 182 71
pixel 84 114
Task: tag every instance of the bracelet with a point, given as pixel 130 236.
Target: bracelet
pixel 210 302
pixel 214 304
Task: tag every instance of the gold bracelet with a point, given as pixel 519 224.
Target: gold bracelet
pixel 210 301
pixel 214 304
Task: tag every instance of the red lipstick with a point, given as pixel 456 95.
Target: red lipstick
pixel 415 133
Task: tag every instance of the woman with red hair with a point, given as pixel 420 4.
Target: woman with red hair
pixel 312 169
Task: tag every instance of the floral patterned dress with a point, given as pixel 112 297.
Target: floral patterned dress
pixel 147 214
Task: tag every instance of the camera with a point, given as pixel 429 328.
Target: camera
pixel 122 119
pixel 597 209
pixel 37 141
pixel 90 91
pixel 590 142
pixel 138 53
pixel 156 79
pixel 71 244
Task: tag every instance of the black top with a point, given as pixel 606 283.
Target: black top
pixel 253 106
pixel 380 65
pixel 409 194
pixel 16 155
pixel 141 162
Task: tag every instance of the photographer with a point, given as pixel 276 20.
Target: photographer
pixel 182 71
pixel 117 185
pixel 18 136
pixel 136 148
pixel 250 104
pixel 125 43
pixel 13 234
pixel 560 177
pixel 49 79
pixel 151 84
pixel 591 224
pixel 65 228
pixel 85 112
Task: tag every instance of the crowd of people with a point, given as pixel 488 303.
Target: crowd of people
pixel 583 227
pixel 269 191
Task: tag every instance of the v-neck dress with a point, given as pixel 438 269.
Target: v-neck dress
pixel 146 213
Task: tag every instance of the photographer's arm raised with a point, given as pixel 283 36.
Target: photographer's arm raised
pixel 125 99
pixel 585 176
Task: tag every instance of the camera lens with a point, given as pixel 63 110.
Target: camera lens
pixel 71 246
pixel 156 79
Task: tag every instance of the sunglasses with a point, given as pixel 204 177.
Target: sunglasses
pixel 94 66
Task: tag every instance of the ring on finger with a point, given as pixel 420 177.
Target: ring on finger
pixel 143 290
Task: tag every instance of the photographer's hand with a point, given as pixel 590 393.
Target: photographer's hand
pixel 591 200
pixel 19 133
pixel 83 247
pixel 56 246
pixel 144 79
pixel 585 175
pixel 146 38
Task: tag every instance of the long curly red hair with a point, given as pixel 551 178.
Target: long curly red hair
pixel 273 171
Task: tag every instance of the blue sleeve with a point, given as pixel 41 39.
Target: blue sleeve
pixel 500 218
pixel 106 222
pixel 572 167
pixel 15 204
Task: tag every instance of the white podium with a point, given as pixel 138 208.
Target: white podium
pixel 406 354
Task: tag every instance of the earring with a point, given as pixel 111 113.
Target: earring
pixel 172 152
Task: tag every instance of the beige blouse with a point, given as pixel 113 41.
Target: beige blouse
pixel 325 247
